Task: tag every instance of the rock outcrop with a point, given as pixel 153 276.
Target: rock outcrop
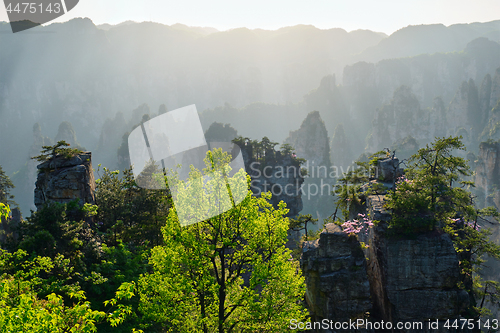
pixel 311 143
pixel 427 75
pixel 489 105
pixel 473 113
pixel 64 180
pixel 277 172
pixel 341 152
pixel 335 270
pixel 411 279
pixel 25 178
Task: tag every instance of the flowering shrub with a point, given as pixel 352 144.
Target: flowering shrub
pixel 355 226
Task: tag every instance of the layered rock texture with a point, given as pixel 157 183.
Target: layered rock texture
pixel 404 117
pixel 411 279
pixel 336 278
pixel 341 152
pixel 64 180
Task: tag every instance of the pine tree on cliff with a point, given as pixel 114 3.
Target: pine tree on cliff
pixel 435 194
pixel 59 149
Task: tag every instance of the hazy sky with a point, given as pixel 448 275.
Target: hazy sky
pixel 378 15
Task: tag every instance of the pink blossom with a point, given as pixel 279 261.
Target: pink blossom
pixel 355 226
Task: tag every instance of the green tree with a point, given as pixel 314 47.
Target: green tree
pixel 4 211
pixel 59 149
pixel 5 186
pixel 301 222
pixel 23 310
pixel 435 194
pixel 127 212
pixel 59 228
pixel 348 188
pixel 428 196
pixel 230 272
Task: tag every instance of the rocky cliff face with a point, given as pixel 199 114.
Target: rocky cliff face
pixel 428 76
pixel 401 280
pixel 311 143
pixel 394 279
pixel 335 270
pixel 26 177
pixel 490 97
pixel 341 153
pixel 411 279
pixel 63 180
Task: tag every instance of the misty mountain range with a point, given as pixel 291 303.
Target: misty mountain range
pixel 103 79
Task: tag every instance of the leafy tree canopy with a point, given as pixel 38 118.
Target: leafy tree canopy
pixel 230 272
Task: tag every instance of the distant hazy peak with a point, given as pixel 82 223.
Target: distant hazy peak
pixel 107 26
pixel 177 26
pixel 200 30
pixel 367 32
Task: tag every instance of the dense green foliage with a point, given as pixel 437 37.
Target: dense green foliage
pixel 22 309
pixel 230 272
pixel 4 211
pixel 348 190
pixel 127 212
pixel 127 263
pixel 427 194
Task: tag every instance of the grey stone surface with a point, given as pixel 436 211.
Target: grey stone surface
pixel 411 279
pixel 389 170
pixel 63 180
pixel 335 272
